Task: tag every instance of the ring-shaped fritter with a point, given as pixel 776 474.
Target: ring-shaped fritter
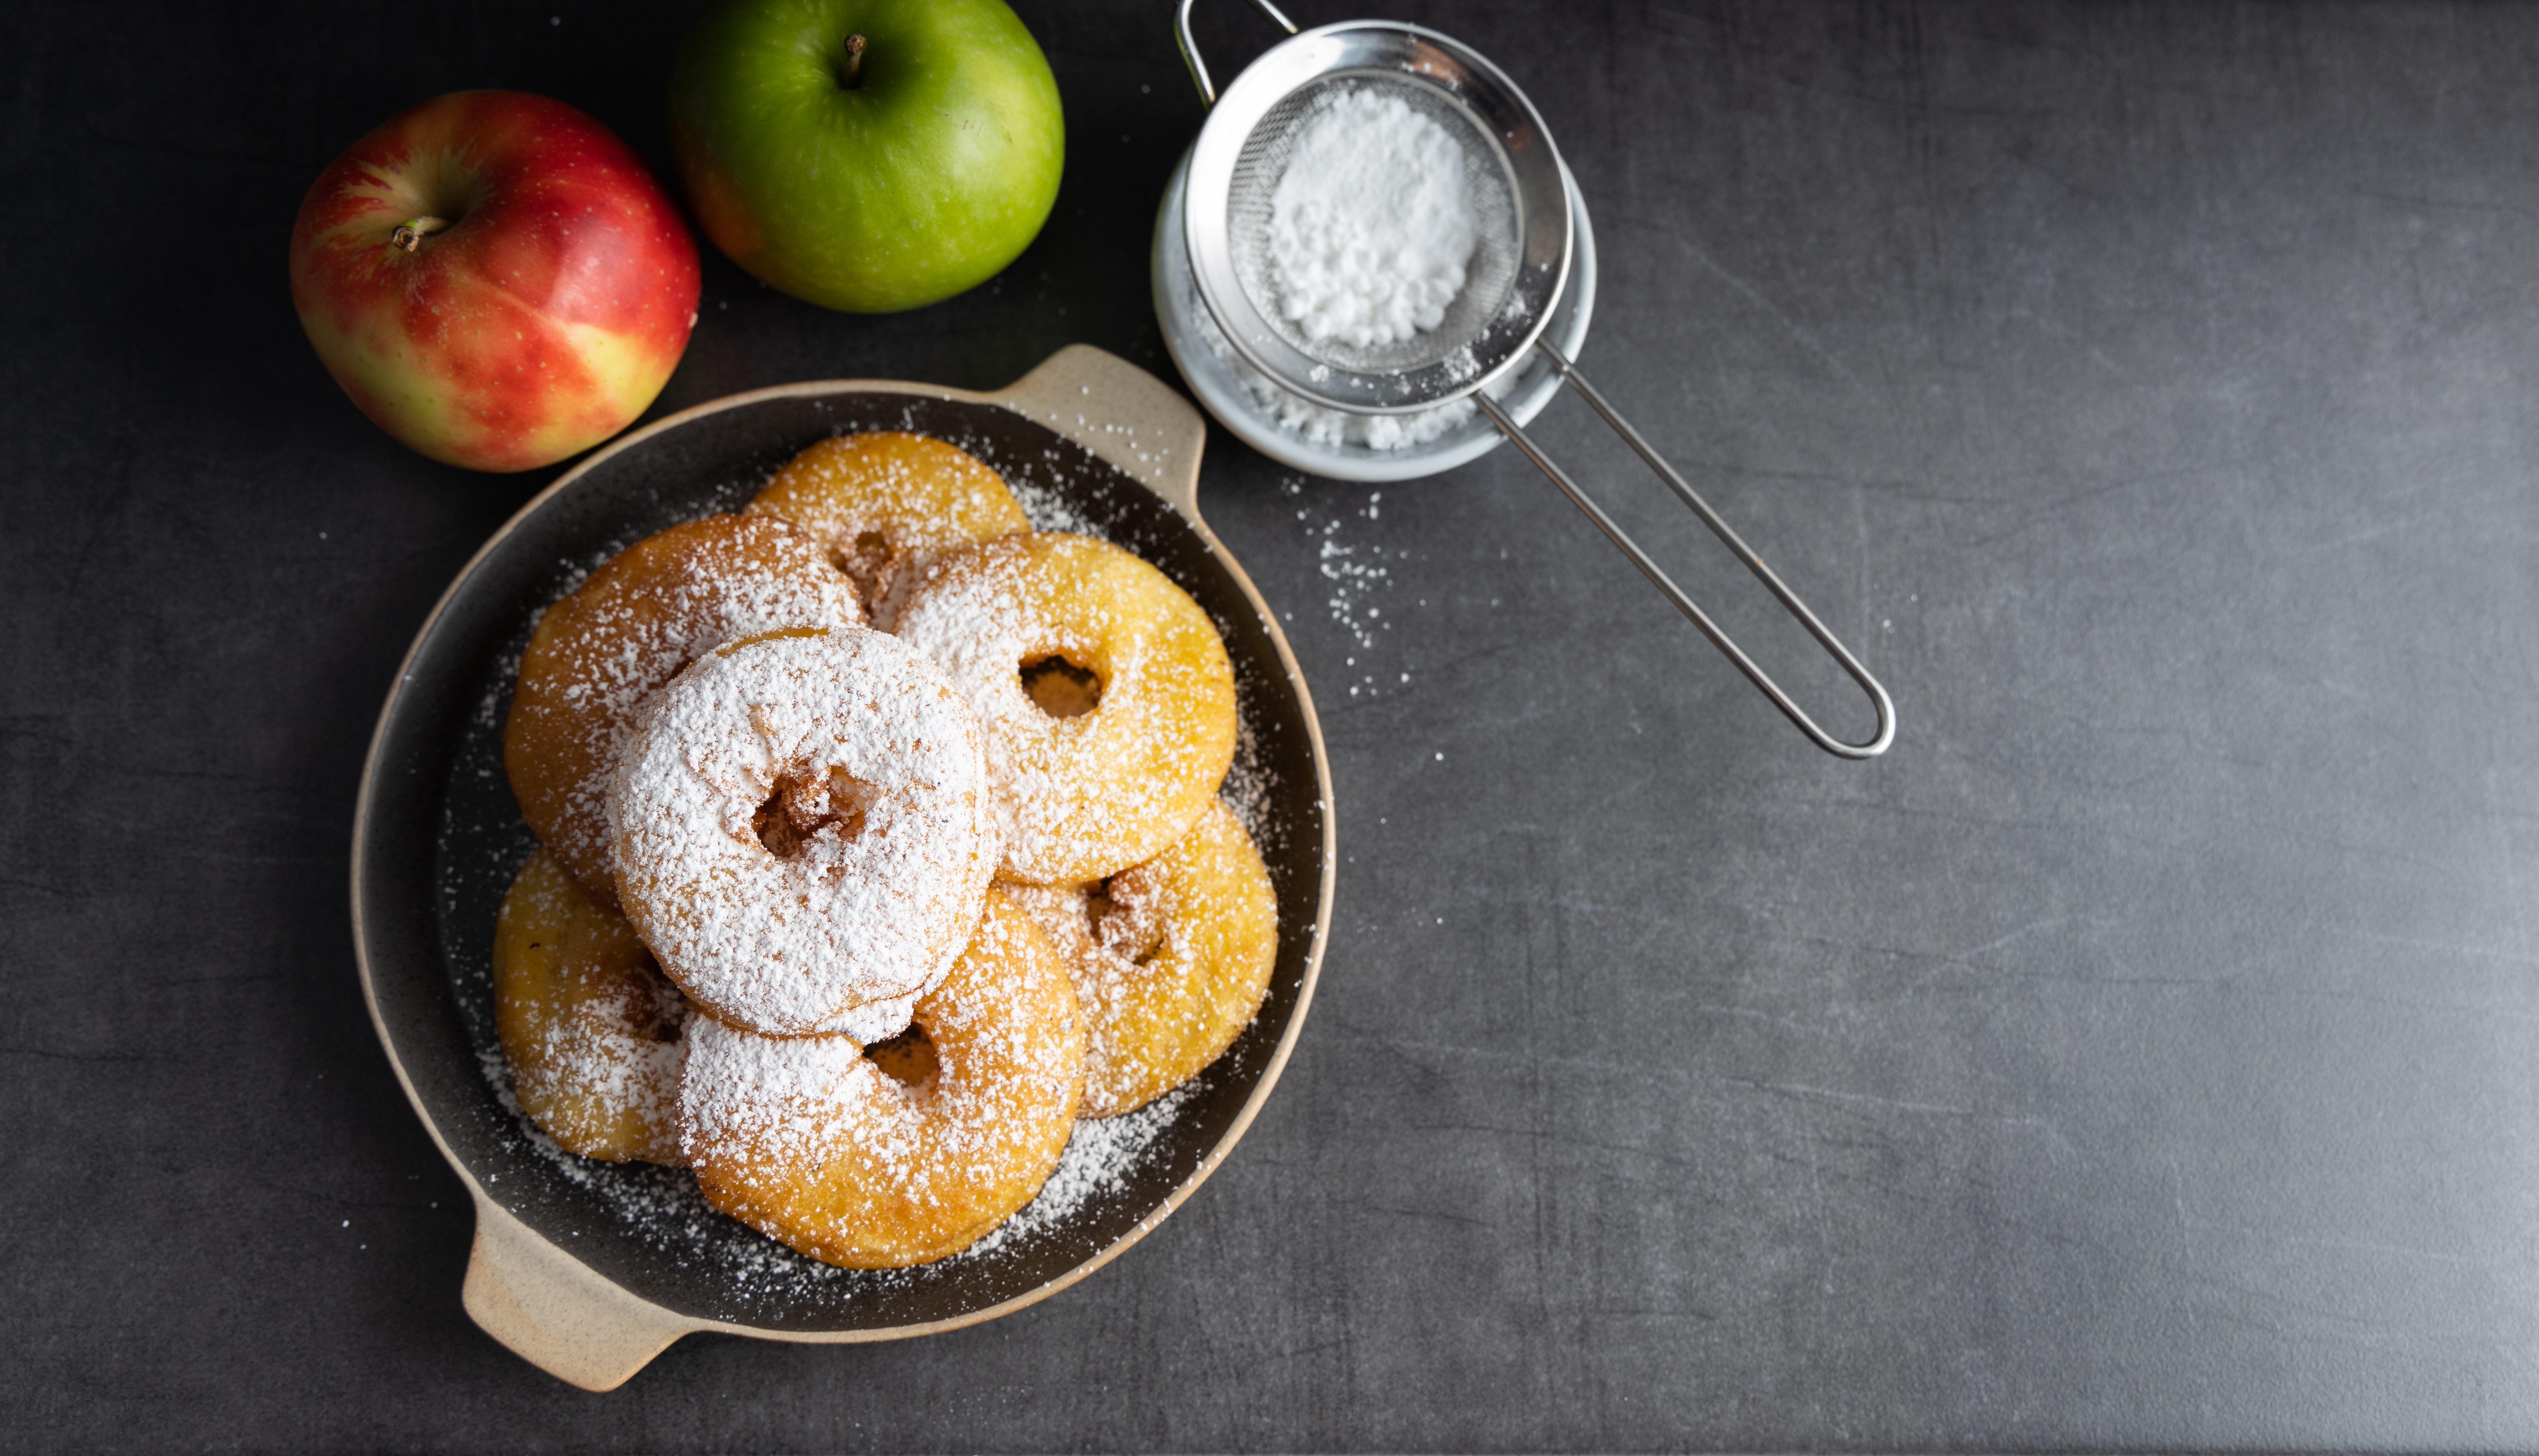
pixel 1082 796
pixel 1171 959
pixel 589 1026
pixel 886 504
pixel 810 1142
pixel 631 625
pixel 804 833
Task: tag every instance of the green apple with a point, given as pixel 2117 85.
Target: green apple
pixel 867 154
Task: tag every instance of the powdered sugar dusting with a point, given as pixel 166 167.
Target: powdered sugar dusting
pixel 1249 789
pixel 602 650
pixel 878 771
pixel 1080 797
pixel 598 1057
pixel 1170 960
pixel 1322 425
pixel 886 504
pixel 605 1082
pixel 1359 574
pixel 809 1139
pixel 1100 1158
pixel 591 1029
pixel 1372 223
pixel 1056 510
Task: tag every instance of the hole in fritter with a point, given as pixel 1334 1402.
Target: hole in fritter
pixel 662 1013
pixel 1124 922
pixel 908 1058
pixel 809 807
pixel 1063 688
pixel 868 561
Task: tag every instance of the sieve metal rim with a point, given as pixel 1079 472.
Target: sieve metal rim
pixel 1539 194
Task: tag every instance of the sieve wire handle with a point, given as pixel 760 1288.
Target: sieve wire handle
pixel 1190 47
pixel 1825 636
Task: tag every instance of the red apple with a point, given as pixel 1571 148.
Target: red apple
pixel 494 279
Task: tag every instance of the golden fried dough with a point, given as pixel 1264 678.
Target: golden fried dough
pixel 590 1028
pixel 1106 691
pixel 886 504
pixel 1171 959
pixel 629 629
pixel 812 1141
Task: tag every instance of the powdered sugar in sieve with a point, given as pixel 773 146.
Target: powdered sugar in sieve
pixel 1372 223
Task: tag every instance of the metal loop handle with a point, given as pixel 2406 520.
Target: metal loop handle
pixel 1190 47
pixel 1878 698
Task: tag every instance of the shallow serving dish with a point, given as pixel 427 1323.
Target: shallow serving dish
pixel 589 1269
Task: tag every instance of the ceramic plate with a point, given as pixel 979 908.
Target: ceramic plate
pixel 590 1269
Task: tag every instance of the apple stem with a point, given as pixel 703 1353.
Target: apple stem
pixel 410 235
pixel 855 62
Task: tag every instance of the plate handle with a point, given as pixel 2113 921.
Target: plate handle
pixel 554 1312
pixel 1121 413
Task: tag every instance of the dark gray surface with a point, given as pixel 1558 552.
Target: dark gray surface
pixel 2139 1055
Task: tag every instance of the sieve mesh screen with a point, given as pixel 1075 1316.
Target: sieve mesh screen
pixel 1489 276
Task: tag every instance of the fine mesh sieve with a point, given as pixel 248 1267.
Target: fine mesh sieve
pixel 1489 276
pixel 1522 245
pixel 1521 261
